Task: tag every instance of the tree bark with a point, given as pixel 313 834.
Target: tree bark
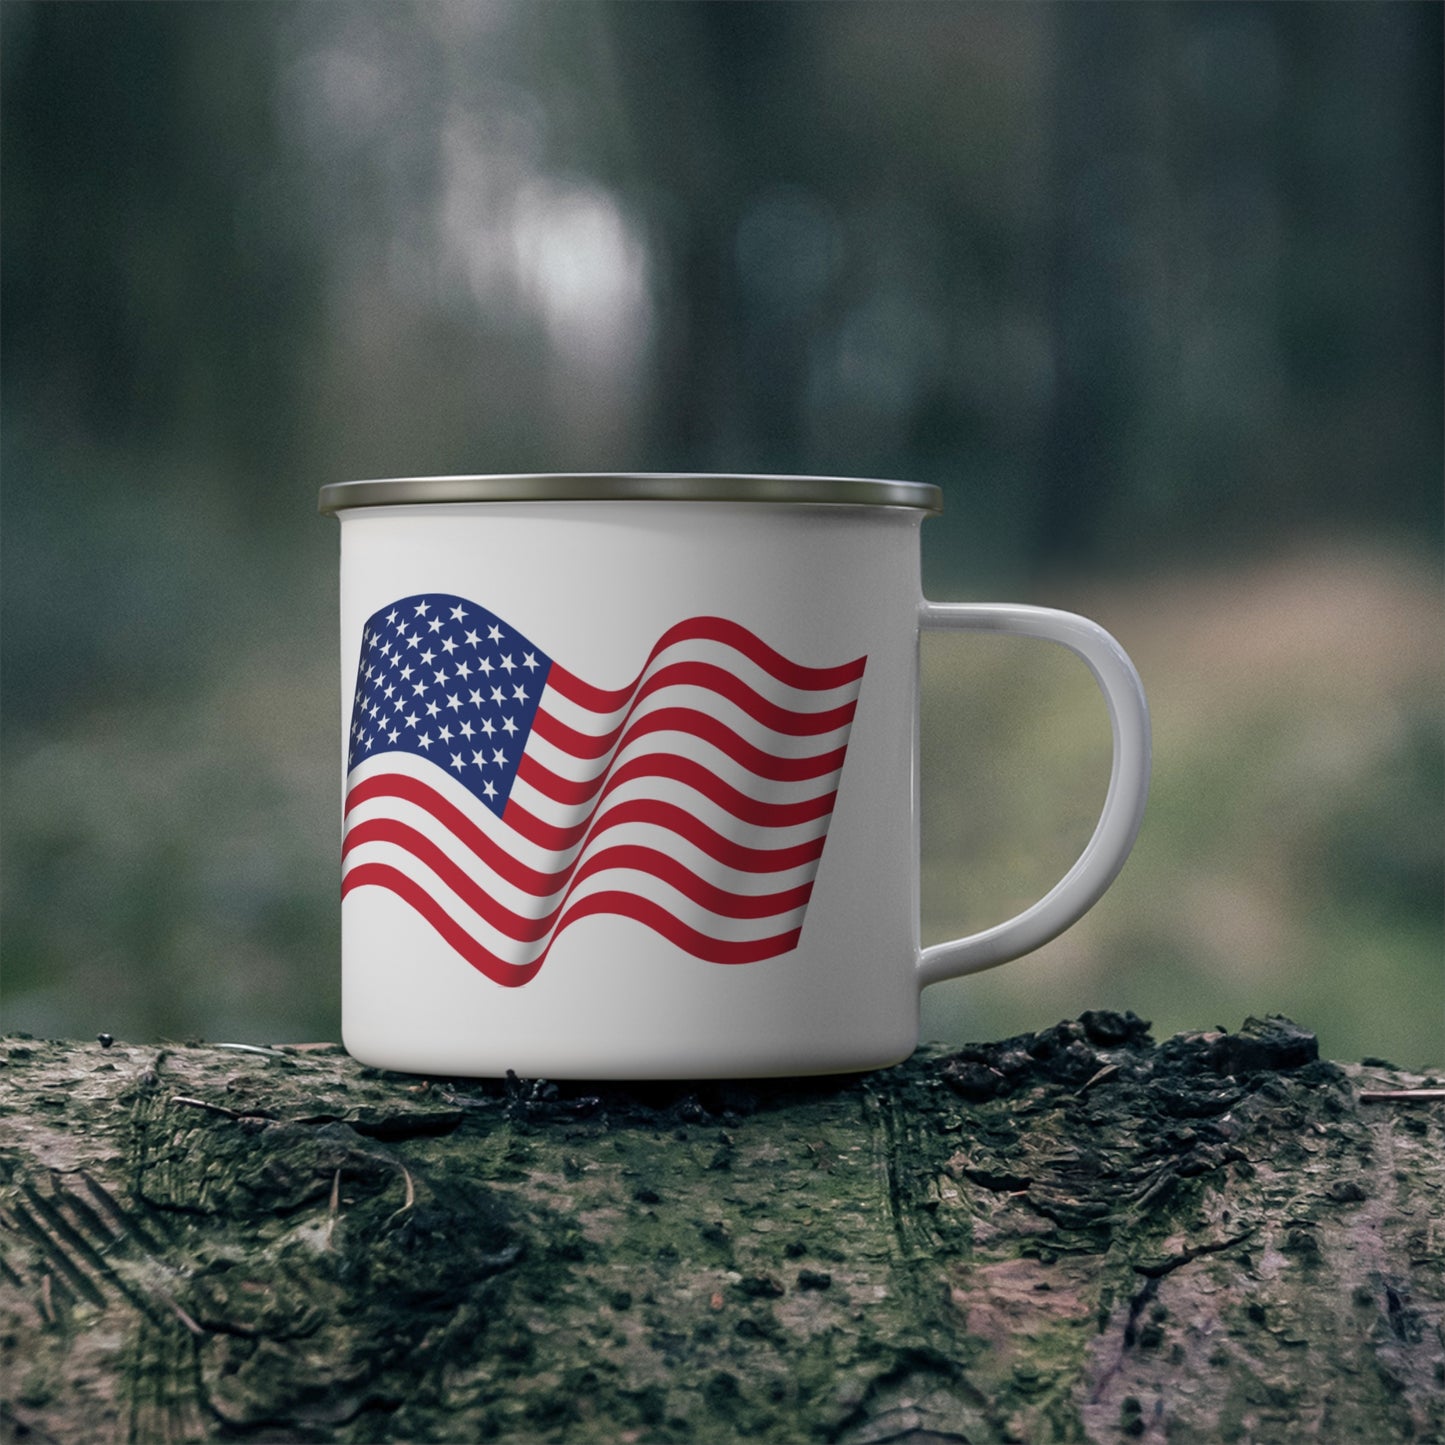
pixel 1073 1235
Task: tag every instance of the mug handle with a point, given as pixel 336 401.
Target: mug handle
pixel 1103 856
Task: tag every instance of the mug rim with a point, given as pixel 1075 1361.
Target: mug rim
pixel 631 487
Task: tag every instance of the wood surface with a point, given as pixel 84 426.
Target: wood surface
pixel 1074 1235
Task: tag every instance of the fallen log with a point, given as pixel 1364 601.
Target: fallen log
pixel 1072 1235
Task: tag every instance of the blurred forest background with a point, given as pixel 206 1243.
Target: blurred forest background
pixel 1152 291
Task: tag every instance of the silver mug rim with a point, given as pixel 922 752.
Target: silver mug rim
pixel 630 487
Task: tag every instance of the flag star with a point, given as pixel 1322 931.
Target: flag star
pixel 441 676
pixel 453 701
pixel 458 612
pixel 393 735
pixel 424 741
pixel 507 662
pixel 462 670
pixel 494 633
pixel 417 688
pixel 398 704
pixel 508 726
pixel 457 762
pixel 449 645
pixel 428 657
pixel 445 734
pixel 411 720
pixel 435 624
pixel 390 688
pixel 488 789
pixel 422 607
pixel 391 616
pixel 497 695
pixel 413 640
pixel 471 638
pixel 386 649
pixel 480 759
pixel 529 661
pixel 402 625
pixel 488 727
pixel 499 757
pixel 475 698
pixel 405 673
pixel 432 709
pixel 486 666
pixel 366 742
pixel 467 729
pixel 519 693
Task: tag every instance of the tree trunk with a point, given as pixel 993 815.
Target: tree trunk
pixel 1073 1235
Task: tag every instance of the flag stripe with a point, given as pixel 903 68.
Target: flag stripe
pixel 707 676
pixel 723 714
pixel 516 950
pixel 491 853
pixel 525 928
pixel 712 629
pixel 756 760
pixel 756 811
pixel 668 816
pixel 499 970
pixel 625 905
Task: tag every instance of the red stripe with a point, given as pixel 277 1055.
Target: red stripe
pixel 778 719
pixel 753 811
pixel 456 822
pixel 708 629
pixel 383 830
pixel 627 905
pixel 382 875
pixel 707 895
pixel 675 931
pixel 655 812
pixel 524 929
pixel 695 724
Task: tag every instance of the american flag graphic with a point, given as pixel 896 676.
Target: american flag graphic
pixel 503 797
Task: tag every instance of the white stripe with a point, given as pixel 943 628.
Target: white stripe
pixel 669 790
pixel 561 759
pixel 509 895
pixel 528 904
pixel 643 885
pixel 691 748
pixel 691 857
pixel 530 855
pixel 547 861
pixel 796 699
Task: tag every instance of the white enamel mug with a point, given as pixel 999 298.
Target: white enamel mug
pixel 631 775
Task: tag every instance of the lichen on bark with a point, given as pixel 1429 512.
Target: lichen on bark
pixel 1072 1235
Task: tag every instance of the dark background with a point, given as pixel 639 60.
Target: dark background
pixel 1152 291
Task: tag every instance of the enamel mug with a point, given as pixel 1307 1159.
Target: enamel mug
pixel 631 774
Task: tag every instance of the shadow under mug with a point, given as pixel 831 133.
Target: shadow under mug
pixel 630 768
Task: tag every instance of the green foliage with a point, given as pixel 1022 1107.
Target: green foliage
pixel 1291 855
pixel 1152 291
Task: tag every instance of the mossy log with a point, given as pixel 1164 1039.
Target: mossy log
pixel 1073 1235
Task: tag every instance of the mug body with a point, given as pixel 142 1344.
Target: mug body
pixel 697 720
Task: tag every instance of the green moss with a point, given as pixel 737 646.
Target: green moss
pixel 549 1269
